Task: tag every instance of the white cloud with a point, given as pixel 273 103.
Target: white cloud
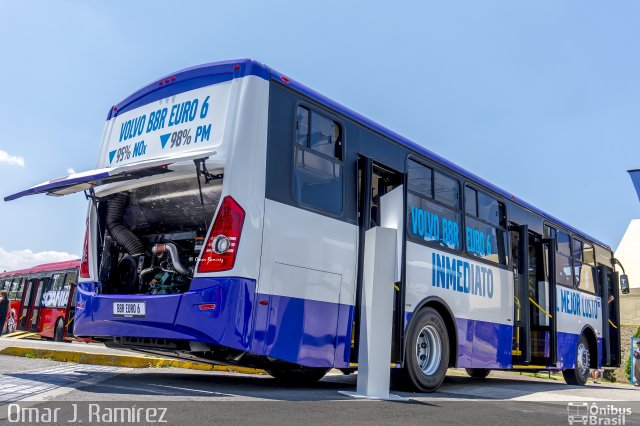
pixel 11 160
pixel 20 259
pixel 70 171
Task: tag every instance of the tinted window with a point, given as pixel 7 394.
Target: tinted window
pixel 70 278
pixel 485 237
pixel 58 282
pixel 549 231
pixel 470 201
pixel 20 288
pixel 317 176
pixel 564 243
pixel 584 276
pixel 318 132
pixel 563 270
pixel 12 288
pixel 588 255
pixel 420 178
pixel 486 241
pixel 446 190
pixel 302 126
pixel 318 181
pixel 488 209
pixel 430 222
pixel 576 250
pixel 326 136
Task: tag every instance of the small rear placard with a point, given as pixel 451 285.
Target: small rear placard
pixel 129 309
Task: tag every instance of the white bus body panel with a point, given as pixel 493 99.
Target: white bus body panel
pixel 483 310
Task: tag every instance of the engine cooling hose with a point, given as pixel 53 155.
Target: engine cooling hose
pixel 118 230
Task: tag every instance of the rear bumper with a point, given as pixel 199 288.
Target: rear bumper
pixel 175 316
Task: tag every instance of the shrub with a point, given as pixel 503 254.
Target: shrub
pixel 627 365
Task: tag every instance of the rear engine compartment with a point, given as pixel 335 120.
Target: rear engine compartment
pixel 150 237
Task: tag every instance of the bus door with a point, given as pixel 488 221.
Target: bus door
pixel 610 296
pixel 71 310
pixel 534 331
pixel 374 182
pixel 30 288
pixel 33 312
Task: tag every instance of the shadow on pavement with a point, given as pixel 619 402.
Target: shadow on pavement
pixel 210 385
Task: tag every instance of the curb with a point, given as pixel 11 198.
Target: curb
pixel 127 361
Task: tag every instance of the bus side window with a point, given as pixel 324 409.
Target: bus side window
pixel 584 273
pixel 318 161
pixel 69 280
pixel 11 289
pixel 433 207
pixel 20 288
pixel 564 267
pixel 58 282
pixel 43 297
pixel 485 227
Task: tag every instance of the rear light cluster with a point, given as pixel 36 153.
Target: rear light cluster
pixel 84 264
pixel 219 253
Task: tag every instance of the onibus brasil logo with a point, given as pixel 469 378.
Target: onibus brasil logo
pixel 594 414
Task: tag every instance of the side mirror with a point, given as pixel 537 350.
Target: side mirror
pixel 624 284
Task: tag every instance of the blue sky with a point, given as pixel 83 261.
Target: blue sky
pixel 539 97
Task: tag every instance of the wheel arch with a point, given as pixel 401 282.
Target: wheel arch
pixel 444 310
pixel 592 340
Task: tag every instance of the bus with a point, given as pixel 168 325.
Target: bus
pixel 226 222
pixel 42 299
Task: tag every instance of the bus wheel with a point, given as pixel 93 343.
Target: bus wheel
pixel 302 376
pixel 427 353
pixel 478 373
pixel 58 335
pixel 580 374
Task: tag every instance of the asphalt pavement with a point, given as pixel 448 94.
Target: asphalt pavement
pixel 199 397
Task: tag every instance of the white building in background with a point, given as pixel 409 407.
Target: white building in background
pixel 628 253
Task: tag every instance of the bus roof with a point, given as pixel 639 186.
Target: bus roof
pixel 202 75
pixel 47 267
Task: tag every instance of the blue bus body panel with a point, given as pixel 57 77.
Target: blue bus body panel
pixel 175 316
pixel 306 332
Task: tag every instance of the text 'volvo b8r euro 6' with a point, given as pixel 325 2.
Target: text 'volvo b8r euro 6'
pixel 226 224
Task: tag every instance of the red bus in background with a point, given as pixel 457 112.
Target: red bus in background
pixel 42 299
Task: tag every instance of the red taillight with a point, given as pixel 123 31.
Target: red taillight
pixel 84 265
pixel 219 253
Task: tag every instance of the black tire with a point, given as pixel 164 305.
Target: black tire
pixel 300 376
pixel 478 373
pixel 58 334
pixel 578 376
pixel 427 329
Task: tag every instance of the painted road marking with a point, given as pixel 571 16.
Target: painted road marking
pixel 21 385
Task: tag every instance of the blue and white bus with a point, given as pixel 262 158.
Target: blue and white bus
pixel 226 222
